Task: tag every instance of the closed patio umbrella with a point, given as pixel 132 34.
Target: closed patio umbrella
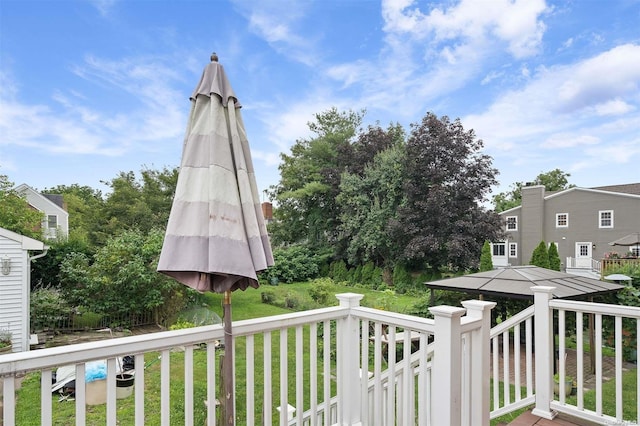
pixel 216 238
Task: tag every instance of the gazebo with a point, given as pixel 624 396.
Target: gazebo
pixel 515 282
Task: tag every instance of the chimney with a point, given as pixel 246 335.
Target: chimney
pixel 267 211
pixel 532 226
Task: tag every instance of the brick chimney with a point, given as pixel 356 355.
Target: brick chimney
pixel 267 211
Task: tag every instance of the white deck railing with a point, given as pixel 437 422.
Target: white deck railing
pixel 419 384
pixel 348 365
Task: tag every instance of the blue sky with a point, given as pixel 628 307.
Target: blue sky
pixel 91 88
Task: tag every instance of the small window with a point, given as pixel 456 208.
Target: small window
pixel 606 218
pixel 513 249
pixel 635 250
pixel 562 220
pixel 498 249
pixel 512 223
pixel 52 221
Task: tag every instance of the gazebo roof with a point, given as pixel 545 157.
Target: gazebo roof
pixel 516 282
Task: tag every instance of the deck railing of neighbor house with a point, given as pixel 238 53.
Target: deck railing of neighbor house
pixel 351 365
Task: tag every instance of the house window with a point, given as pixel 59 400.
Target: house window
pixel 635 250
pixel 562 220
pixel 512 223
pixel 513 249
pixel 498 249
pixel 52 221
pixel 606 218
pixel 52 226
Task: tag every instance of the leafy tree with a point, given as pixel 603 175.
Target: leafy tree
pixel 447 178
pixel 540 256
pixel 84 205
pixel 309 178
pixel 554 257
pixel 121 277
pixel 139 204
pixel 369 201
pixel 15 213
pixel 555 180
pixel 45 271
pixel 291 264
pixel 486 264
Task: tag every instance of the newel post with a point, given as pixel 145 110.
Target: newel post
pixel 480 361
pixel 543 328
pixel 348 353
pixel 447 366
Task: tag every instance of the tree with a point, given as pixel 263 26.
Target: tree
pixel 368 202
pixel 555 180
pixel 554 257
pixel 45 271
pixel 306 210
pixel 84 205
pixel 540 256
pixel 486 264
pixel 442 222
pixel 121 278
pixel 139 204
pixel 15 213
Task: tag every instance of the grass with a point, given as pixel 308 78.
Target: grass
pixel 245 305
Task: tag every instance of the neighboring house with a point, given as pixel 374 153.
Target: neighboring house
pixel 15 287
pixel 580 221
pixel 56 221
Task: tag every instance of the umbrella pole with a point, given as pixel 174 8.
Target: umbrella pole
pixel 227 363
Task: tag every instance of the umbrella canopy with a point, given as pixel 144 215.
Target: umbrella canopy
pixel 216 237
pixel 628 240
pixel 618 277
pixel 517 281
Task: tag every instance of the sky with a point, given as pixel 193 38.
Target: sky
pixel 92 88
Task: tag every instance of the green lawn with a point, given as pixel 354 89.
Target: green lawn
pixel 245 305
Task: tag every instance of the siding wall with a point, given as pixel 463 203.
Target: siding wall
pixel 14 296
pixel 537 221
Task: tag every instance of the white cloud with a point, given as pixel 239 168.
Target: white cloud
pixel 471 22
pixel 566 140
pixel 104 6
pixel 78 124
pixel 564 99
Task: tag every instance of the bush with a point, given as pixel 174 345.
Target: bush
pixel 486 264
pixel 48 308
pixel 554 257
pixel 293 264
pixel 540 256
pixel 339 271
pixel 121 278
pixel 292 301
pixel 401 279
pixel 321 290
pixel 268 296
pixel 181 324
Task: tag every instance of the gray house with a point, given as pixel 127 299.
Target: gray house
pixel 56 218
pixel 580 221
pixel 16 253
